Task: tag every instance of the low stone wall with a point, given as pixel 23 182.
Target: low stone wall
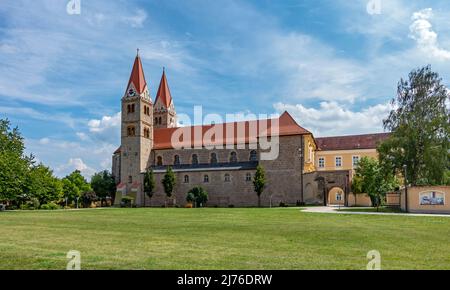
pixel 427 199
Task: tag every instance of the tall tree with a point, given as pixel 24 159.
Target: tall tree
pixel 149 183
pixel 43 185
pixel 168 182
pixel 419 122
pixel 259 182
pixel 370 178
pixel 14 165
pixel 103 185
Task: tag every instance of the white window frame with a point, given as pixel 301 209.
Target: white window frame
pixel 318 162
pixel 353 161
pixel 335 161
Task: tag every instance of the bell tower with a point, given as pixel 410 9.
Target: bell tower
pixel 164 110
pixel 136 133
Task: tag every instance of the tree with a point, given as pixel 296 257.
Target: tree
pixel 370 178
pixel 103 185
pixel 80 182
pixel 168 182
pixel 70 190
pixel 149 183
pixel 42 185
pixel 419 122
pixel 259 182
pixel 14 165
pixel 197 195
pixel 88 197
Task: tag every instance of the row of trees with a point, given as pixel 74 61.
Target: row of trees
pixel 27 184
pixel 418 149
pixel 197 195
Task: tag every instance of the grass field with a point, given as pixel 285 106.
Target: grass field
pixel 279 238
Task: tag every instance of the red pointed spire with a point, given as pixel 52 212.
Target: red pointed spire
pixel 137 75
pixel 164 91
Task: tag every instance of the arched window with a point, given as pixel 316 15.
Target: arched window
pixel 131 131
pixel 186 179
pixel 233 157
pixel 194 159
pixel 227 177
pixel 156 120
pixel 213 158
pixel 176 160
pixel 159 161
pixel 128 109
pixel 159 121
pixel 253 155
pixel 205 178
pixel 248 177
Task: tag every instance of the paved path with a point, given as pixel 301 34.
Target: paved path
pixel 334 209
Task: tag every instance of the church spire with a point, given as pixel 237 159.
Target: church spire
pixel 163 91
pixel 137 77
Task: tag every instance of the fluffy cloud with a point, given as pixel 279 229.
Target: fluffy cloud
pixel 332 119
pixel 106 129
pixel 76 164
pixel 136 20
pixel 427 39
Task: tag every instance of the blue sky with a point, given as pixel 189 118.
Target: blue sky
pixel 331 64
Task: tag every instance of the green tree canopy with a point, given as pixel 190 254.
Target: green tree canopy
pixel 149 183
pixel 198 195
pixel 168 181
pixel 43 185
pixel 259 182
pixel 103 184
pixel 370 178
pixel 419 122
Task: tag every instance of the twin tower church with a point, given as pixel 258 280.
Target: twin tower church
pixel 306 170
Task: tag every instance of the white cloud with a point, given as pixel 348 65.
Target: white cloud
pixel 106 129
pixel 427 39
pixel 44 141
pixel 82 136
pixel 76 164
pixel 332 119
pixel 136 20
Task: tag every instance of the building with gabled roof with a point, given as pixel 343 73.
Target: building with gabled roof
pixel 222 158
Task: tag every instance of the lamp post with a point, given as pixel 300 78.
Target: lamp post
pixel 406 186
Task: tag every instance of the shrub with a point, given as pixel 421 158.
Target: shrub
pixel 197 195
pixel 127 201
pixel 282 204
pixel 88 197
pixel 50 206
pixel 231 205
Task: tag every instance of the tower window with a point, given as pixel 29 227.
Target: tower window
pixel 194 159
pixel 131 131
pixel 132 108
pixel 213 158
pixel 205 178
pixel 156 120
pixel 128 109
pixel 146 132
pixel 233 157
pixel 253 155
pixel 159 121
pixel 176 160
pixel 186 179
pixel 159 161
pixel 248 177
pixel 130 179
pixel 227 177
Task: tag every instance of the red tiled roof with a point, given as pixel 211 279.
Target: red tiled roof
pixel 164 91
pixel 137 76
pixel 162 137
pixel 367 141
pixel 253 129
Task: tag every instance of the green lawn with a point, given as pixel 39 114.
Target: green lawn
pixel 279 238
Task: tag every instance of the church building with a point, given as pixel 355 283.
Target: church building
pixel 306 170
